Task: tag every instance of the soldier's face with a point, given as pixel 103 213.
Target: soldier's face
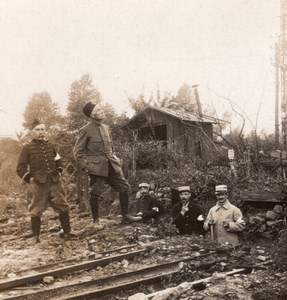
pixel 144 190
pixel 221 198
pixel 98 113
pixel 184 196
pixel 39 132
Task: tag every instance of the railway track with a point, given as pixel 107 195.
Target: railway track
pixel 31 286
pixel 73 261
pixel 106 277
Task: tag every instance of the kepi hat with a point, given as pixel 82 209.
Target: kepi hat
pixel 143 184
pixel 220 188
pixel 183 189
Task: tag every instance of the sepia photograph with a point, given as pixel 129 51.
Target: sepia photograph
pixel 143 149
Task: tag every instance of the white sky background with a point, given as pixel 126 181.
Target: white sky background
pixel 129 47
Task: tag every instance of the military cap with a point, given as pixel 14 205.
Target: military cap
pixel 88 108
pixel 143 184
pixel 183 189
pixel 221 188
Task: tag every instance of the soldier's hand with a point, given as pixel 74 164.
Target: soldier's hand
pixel 240 221
pixel 138 195
pixel 184 209
pixel 211 222
pixel 225 224
pixel 139 213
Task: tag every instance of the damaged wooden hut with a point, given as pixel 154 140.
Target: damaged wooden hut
pixel 177 129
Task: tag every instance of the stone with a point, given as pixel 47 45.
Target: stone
pixel 251 220
pixel 146 238
pixel 48 279
pixel 271 215
pixel 138 296
pixel 262 228
pixel 259 219
pixel 125 263
pixel 270 223
pixel 278 209
pixel 262 258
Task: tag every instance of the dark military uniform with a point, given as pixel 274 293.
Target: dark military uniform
pixel 93 150
pixel 187 223
pixel 39 160
pixel 145 205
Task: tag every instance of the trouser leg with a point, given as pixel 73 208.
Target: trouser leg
pixel 65 222
pixel 94 203
pixel 124 202
pixel 66 226
pixel 96 184
pixel 118 182
pixel 36 227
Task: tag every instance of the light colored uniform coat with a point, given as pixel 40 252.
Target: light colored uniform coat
pixel 230 213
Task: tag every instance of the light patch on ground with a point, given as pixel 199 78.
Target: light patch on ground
pixel 19 259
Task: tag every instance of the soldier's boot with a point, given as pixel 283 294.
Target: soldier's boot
pixel 124 202
pixel 94 203
pixel 66 227
pixel 84 209
pixel 36 228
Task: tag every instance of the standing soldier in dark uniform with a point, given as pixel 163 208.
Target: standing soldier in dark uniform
pixel 186 215
pixel 94 153
pixel 147 206
pixel 39 165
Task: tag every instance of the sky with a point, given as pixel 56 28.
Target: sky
pixel 137 46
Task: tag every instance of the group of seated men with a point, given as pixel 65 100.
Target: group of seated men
pixel 224 220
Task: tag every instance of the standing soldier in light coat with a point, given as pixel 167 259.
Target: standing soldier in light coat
pixel 94 153
pixel 39 165
pixel 225 218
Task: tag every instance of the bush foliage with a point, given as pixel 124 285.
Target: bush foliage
pixel 155 161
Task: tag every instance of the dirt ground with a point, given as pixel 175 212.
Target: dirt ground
pixel 17 253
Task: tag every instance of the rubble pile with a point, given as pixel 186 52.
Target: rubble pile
pixel 266 224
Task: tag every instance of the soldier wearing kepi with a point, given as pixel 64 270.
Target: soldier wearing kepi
pixel 94 153
pixel 187 216
pixel 40 166
pixel 224 219
pixel 147 206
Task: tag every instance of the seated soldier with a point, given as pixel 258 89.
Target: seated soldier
pixel 186 215
pixel 147 206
